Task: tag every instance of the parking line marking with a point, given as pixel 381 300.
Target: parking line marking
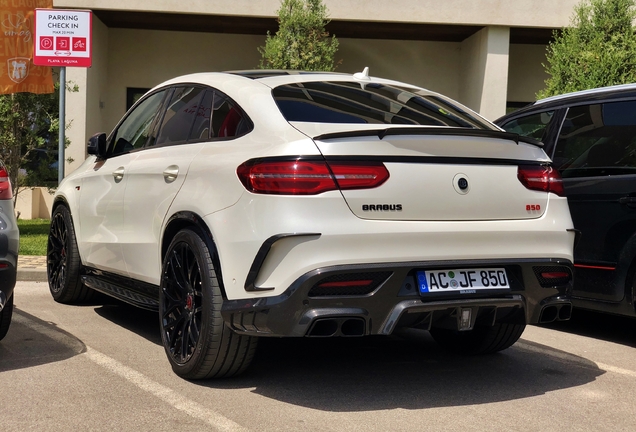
pixel 575 359
pixel 164 393
pixel 617 370
pixel 138 379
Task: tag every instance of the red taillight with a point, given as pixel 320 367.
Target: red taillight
pixel 541 178
pixel 5 184
pixel 304 177
pixel 359 176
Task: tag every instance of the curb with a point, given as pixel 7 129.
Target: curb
pixel 31 275
pixel 31 269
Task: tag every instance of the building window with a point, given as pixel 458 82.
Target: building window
pixel 133 94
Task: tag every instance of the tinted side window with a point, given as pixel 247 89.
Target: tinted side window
pixel 533 126
pixel 135 129
pixel 598 140
pixel 201 127
pixel 180 115
pixel 227 120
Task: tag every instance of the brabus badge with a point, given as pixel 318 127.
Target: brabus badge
pixel 382 207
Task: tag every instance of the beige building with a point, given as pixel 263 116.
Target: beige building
pixel 487 54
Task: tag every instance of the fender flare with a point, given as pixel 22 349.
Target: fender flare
pixel 187 219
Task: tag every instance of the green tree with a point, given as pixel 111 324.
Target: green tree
pixel 28 121
pixel 301 42
pixel 597 50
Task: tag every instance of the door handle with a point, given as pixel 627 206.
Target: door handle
pixel 629 201
pixel 170 174
pixel 118 174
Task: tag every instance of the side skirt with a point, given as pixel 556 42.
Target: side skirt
pixel 134 292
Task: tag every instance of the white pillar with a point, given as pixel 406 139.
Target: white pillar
pixel 484 77
pixel 84 107
pixel 75 118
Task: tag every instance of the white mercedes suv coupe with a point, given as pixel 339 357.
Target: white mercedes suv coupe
pixel 271 203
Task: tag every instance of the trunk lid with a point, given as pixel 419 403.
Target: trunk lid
pixel 438 174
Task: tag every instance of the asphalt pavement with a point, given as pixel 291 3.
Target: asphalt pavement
pixel 101 366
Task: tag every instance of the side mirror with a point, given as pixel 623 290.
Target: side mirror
pixel 97 145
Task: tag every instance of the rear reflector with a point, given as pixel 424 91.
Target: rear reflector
pixel 342 284
pixel 5 184
pixel 552 276
pixel 307 177
pixel 349 284
pixel 541 178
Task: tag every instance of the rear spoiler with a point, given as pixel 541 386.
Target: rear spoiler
pixel 446 131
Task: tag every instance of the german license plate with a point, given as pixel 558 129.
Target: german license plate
pixel 465 281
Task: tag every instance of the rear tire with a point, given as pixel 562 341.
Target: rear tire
pixel 5 317
pixel 480 340
pixel 63 261
pixel 197 342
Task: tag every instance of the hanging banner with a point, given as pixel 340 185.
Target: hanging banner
pixel 17 72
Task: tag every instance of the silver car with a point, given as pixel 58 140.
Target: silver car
pixel 9 242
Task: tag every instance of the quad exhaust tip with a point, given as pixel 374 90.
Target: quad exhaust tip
pixel 342 326
pixel 562 312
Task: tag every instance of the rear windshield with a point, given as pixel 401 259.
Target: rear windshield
pixel 370 103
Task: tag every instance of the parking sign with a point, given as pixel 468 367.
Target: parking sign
pixel 63 38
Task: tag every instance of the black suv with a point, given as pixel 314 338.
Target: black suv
pixel 591 138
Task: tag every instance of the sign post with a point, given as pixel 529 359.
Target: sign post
pixel 63 38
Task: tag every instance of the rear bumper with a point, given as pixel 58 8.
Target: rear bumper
pixel 396 303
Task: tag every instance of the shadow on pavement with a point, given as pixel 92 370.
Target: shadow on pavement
pixel 33 342
pixel 611 328
pixel 142 322
pixel 408 372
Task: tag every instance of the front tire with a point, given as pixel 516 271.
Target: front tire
pixel 5 317
pixel 197 342
pixel 479 340
pixel 63 261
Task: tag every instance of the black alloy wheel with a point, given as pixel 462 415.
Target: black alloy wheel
pixel 198 343
pixel 56 261
pixel 182 308
pixel 62 260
